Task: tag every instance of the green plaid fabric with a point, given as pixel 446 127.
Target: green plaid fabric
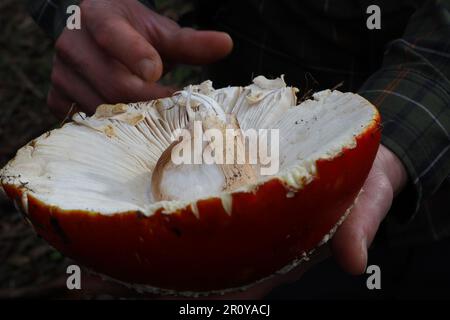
pixel 412 92
pixel 403 69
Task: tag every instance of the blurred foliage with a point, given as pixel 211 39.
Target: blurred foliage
pixel 25 62
pixel 28 267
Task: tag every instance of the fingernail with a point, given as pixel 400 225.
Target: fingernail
pixel 146 69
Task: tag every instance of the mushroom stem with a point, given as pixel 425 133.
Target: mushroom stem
pixel 158 172
pixel 236 173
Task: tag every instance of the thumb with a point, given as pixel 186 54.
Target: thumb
pixel 352 239
pixel 190 46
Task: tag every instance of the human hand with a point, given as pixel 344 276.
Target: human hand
pixel 348 246
pixel 120 52
pixel 352 239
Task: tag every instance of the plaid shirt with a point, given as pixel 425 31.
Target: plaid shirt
pixel 403 69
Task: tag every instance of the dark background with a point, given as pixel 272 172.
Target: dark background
pixel 29 268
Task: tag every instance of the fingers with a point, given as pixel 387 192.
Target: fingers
pixel 354 236
pixel 115 59
pixel 58 104
pixel 394 168
pixel 120 40
pixel 190 46
pixel 109 79
pixel 161 91
pixel 69 89
pixel 185 45
pixel 74 87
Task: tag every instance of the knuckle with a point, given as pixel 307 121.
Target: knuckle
pixel 128 88
pixel 57 78
pixel 102 33
pixel 85 7
pixel 384 184
pixel 113 93
pixel 122 89
pixel 136 44
pixel 65 51
pixel 91 9
pixel 62 46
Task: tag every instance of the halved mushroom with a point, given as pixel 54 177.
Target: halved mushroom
pixel 105 191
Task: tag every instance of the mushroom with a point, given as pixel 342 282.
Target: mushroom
pixel 106 191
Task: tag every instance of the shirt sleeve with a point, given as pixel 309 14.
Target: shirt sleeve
pixel 412 92
pixel 51 15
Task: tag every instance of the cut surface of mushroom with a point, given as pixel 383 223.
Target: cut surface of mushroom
pixel 228 175
pixel 118 159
